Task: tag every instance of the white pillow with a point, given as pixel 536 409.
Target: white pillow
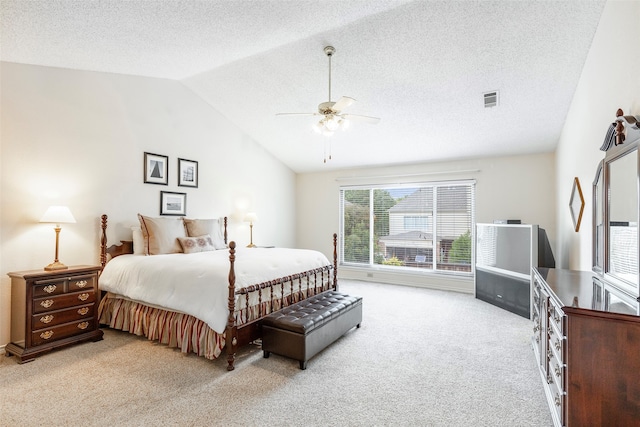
pixel 138 241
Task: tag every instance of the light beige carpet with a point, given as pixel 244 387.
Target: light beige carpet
pixel 422 357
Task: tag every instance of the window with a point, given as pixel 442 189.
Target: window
pixel 425 226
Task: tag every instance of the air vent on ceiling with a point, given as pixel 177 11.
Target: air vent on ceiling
pixel 490 99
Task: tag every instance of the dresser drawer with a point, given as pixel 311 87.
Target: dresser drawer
pixel 557 318
pixel 556 374
pixel 45 288
pixel 59 302
pixel 53 318
pixel 62 331
pixel 558 405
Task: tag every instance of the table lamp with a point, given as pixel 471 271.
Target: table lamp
pixel 57 215
pixel 250 218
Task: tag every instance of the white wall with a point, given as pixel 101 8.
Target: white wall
pixel 610 80
pixel 77 138
pixel 518 187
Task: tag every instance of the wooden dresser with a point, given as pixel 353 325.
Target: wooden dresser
pixel 51 309
pixel 587 343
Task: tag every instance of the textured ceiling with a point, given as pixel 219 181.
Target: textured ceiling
pixel 421 66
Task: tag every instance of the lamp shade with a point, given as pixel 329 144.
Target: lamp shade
pixel 58 215
pixel 251 217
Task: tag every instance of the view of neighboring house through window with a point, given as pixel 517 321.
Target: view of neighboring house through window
pixel 419 226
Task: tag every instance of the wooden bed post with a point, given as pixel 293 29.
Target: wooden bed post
pixel 103 241
pixel 230 333
pixel 335 261
pixel 225 229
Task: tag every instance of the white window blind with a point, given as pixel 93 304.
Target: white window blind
pixel 424 226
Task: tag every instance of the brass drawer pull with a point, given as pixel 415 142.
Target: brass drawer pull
pixel 81 283
pixel 83 297
pixel 49 288
pixel 46 303
pixel 83 311
pixel 46 335
pixel 46 319
pixel 558 371
pixel 83 325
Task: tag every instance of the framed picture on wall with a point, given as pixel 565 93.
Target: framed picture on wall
pixel 156 170
pixel 173 203
pixel 187 173
pixel 576 204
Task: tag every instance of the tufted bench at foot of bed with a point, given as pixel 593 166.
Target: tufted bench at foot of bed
pixel 302 330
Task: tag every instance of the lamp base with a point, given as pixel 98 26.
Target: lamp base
pixel 56 265
pixel 251 245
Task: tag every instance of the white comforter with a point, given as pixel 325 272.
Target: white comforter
pixel 197 284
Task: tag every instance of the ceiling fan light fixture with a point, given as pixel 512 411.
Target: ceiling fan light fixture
pixel 332 122
pixel 333 118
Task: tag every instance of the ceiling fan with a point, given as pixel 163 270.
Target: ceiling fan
pixel 331 112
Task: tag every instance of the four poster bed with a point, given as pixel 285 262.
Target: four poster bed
pixel 181 284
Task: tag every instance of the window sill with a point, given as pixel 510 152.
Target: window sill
pixel 450 282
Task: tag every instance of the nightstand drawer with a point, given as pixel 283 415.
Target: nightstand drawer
pixel 53 318
pixel 42 305
pixel 81 283
pixel 46 288
pixel 63 331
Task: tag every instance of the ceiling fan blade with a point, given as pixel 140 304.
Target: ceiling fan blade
pixel 297 114
pixel 342 103
pixel 359 118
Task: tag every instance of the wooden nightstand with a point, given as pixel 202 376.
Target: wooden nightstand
pixel 51 309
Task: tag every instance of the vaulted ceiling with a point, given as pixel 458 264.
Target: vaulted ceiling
pixel 421 66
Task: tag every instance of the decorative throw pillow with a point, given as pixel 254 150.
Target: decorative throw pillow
pixel 192 245
pixel 201 227
pixel 161 235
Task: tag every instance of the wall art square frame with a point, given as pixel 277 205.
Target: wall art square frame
pixel 172 203
pixel 187 173
pixel 156 169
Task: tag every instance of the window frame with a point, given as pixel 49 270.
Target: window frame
pixel 371 265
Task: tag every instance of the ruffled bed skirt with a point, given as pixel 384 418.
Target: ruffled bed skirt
pixel 177 330
pixel 183 331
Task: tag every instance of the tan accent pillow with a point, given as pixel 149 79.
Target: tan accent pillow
pixel 161 235
pixel 192 245
pixel 202 227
